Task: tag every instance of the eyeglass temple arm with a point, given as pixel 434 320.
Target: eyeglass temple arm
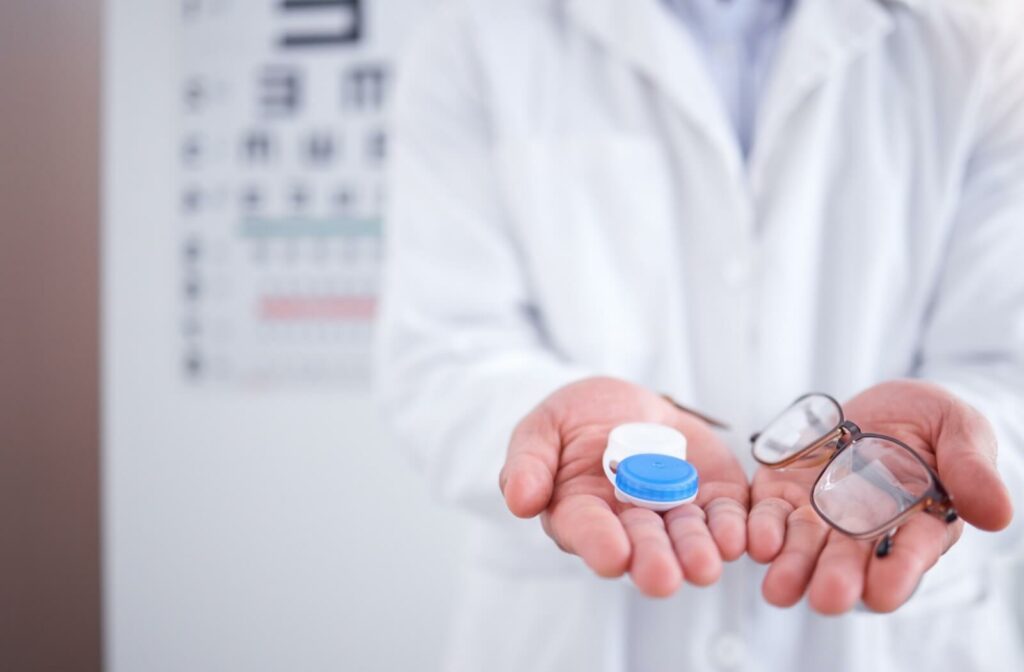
pixel 811 418
pixel 802 453
pixel 706 418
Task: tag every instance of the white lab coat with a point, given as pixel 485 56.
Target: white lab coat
pixel 569 200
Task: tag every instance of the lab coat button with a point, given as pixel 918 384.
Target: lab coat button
pixel 735 272
pixel 728 651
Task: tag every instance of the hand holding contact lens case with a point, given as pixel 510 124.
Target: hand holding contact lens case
pixel 646 463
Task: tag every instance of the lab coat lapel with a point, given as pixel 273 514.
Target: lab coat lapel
pixel 645 34
pixel 822 37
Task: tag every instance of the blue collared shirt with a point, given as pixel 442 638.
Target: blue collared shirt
pixel 738 39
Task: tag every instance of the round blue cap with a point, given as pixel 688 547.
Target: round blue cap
pixel 656 478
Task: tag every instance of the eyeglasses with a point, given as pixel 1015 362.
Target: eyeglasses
pixel 870 484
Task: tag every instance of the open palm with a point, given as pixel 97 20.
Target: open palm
pixel 837 571
pixel 554 469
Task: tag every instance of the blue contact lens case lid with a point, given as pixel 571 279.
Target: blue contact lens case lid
pixel 656 478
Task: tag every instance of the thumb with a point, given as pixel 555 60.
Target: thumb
pixel 966 456
pixel 528 477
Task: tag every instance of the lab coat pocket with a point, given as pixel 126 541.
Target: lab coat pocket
pixel 960 592
pixel 965 625
pixel 594 218
pixel 508 622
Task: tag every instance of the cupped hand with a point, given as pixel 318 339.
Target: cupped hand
pixel 553 469
pixel 836 571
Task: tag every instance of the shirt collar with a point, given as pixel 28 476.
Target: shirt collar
pixel 731 19
pixel 821 38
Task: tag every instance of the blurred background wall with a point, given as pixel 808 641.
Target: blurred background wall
pixel 49 411
pixel 253 517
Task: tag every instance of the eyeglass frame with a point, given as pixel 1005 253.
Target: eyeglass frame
pixel 936 500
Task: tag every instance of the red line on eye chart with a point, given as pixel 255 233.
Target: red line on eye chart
pixel 295 308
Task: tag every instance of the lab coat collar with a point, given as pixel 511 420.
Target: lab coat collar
pixel 823 36
pixel 820 37
pixel 645 34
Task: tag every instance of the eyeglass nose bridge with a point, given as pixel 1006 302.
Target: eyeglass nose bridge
pixel 815 456
pixel 825 449
pixel 850 431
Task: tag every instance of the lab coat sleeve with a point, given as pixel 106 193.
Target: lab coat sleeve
pixel 461 355
pixel 974 342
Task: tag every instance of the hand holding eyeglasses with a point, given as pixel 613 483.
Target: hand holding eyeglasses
pixel 837 508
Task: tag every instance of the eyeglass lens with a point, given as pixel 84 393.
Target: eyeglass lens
pixel 870 484
pixel 799 426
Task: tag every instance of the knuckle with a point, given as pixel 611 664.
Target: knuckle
pixel 804 516
pixel 640 517
pixel 773 506
pixel 686 512
pixel 549 529
pixel 725 505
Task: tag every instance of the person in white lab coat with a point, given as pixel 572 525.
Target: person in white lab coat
pixel 581 219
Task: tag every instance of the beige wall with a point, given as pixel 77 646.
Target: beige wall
pixel 49 185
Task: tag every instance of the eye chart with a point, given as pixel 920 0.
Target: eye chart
pixel 282 142
pixel 245 143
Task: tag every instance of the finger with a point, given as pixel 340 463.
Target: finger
pixel 528 477
pixel 694 546
pixel 788 576
pixel 586 526
pixel 838 581
pixel 727 521
pixel 966 458
pixel 766 528
pixel 654 567
pixel 918 545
